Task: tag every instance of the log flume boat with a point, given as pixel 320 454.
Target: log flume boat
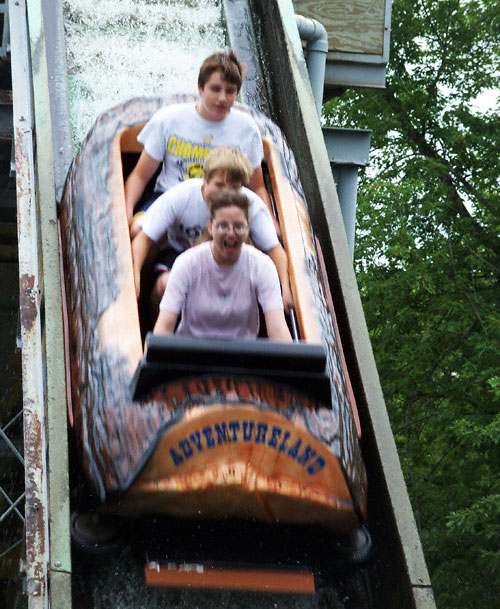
pixel 257 430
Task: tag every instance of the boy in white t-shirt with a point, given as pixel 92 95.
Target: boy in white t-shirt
pixel 181 214
pixel 181 135
pixel 217 286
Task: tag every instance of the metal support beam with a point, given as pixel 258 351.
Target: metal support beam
pixel 48 559
pixel 348 149
pixel 36 504
pixel 54 363
pixel 58 90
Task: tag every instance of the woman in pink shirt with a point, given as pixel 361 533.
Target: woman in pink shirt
pixel 217 286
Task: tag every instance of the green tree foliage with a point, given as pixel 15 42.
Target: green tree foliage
pixel 428 266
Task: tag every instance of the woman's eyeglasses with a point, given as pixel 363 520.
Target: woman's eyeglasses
pixel 240 228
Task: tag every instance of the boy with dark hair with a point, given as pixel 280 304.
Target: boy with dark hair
pixel 180 136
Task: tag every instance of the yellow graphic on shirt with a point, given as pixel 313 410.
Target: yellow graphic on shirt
pixel 193 170
pixel 190 155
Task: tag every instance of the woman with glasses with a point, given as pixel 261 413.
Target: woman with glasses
pixel 177 219
pixel 217 286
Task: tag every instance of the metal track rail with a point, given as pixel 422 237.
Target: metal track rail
pixel 48 559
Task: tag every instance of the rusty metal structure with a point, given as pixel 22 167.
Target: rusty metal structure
pixel 44 401
pixel 268 44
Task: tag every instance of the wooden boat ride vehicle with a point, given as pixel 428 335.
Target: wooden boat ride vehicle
pixel 258 431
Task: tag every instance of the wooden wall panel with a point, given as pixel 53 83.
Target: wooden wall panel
pixel 353 26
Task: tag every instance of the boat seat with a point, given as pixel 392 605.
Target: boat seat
pixel 168 358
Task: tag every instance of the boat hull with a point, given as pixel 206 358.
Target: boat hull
pixel 227 455
pixel 153 454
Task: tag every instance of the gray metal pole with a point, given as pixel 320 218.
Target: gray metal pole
pixel 316 38
pixel 348 149
pixel 346 180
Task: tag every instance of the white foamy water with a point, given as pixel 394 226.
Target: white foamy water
pixel 118 49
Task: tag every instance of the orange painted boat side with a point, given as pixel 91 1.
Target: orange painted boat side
pixel 213 577
pixel 123 313
pixel 297 242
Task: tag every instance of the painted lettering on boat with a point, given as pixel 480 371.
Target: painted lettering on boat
pixel 233 432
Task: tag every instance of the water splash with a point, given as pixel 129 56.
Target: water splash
pixel 118 49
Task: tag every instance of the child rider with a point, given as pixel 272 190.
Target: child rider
pixel 182 213
pixel 179 136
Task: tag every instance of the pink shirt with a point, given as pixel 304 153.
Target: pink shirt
pixel 218 301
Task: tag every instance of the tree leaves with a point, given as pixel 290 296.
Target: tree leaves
pixel 427 258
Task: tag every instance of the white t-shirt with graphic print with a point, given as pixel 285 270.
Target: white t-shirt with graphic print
pixel 181 214
pixel 221 301
pixel 180 138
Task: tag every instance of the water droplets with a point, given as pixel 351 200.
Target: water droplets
pixel 118 50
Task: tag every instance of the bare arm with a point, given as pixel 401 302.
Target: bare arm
pixel 276 325
pixel 257 185
pixel 279 257
pixel 137 180
pixel 144 250
pixel 165 324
